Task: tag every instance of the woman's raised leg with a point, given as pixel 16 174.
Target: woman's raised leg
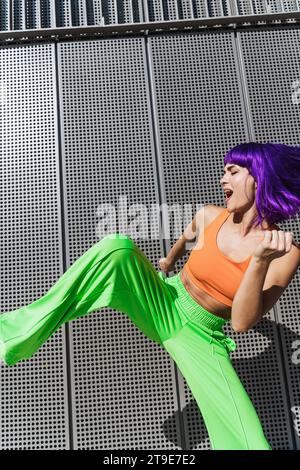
pixel 114 273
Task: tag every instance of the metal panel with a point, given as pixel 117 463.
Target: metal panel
pixel 121 381
pixel 256 7
pixel 34 398
pixel 37 14
pixel 200 115
pixel 270 64
pixel 64 13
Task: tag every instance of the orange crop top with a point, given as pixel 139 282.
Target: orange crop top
pixel 212 271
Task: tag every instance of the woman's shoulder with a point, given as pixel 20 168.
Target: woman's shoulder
pixel 205 216
pixel 212 212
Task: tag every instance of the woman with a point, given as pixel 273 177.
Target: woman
pixel 185 313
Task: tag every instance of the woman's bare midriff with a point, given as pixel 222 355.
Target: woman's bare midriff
pixel 205 300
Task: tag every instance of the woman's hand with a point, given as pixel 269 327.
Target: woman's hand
pixel 165 266
pixel 275 244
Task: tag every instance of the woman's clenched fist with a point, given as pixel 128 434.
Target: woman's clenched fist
pixel 165 266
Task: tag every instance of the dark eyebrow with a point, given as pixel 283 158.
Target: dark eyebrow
pixel 229 166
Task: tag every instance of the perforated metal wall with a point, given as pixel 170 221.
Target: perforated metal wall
pixel 108 153
pixel 34 401
pixel 200 115
pixel 166 109
pixel 36 14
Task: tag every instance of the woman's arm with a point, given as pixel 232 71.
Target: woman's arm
pixel 189 235
pixel 248 301
pixel 262 285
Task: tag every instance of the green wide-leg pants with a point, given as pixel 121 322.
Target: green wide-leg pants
pixel 115 273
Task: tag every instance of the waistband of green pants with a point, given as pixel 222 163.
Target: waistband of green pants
pixel 194 311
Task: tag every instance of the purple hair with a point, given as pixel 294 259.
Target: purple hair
pixel 276 170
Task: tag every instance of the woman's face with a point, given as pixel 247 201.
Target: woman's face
pixel 243 187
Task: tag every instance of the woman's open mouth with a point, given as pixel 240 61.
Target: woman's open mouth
pixel 228 196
